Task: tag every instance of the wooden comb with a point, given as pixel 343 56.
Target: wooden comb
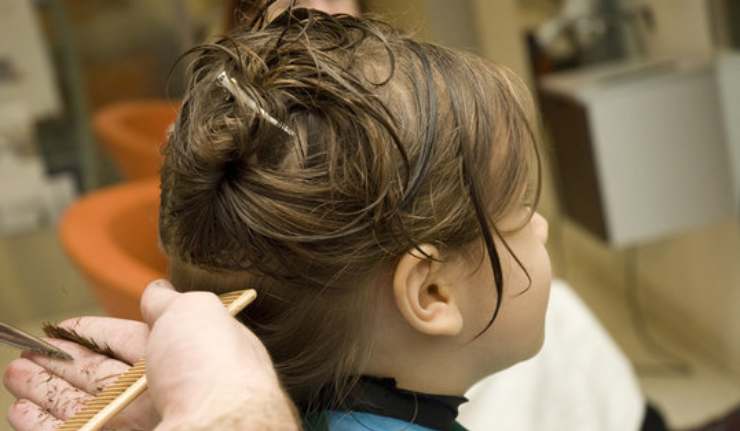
pixel 97 411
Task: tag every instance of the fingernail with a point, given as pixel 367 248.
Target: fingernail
pixel 158 283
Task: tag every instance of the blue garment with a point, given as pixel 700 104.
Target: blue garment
pixel 377 404
pixel 361 421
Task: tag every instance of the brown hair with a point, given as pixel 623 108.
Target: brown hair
pixel 397 143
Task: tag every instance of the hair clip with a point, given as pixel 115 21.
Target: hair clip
pixel 232 86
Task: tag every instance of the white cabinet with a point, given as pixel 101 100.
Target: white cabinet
pixel 643 149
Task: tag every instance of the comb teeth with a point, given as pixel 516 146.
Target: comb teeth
pixel 132 383
pixel 135 374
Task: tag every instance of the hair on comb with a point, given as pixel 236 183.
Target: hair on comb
pixel 55 331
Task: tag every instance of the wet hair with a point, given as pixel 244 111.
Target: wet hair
pixel 337 145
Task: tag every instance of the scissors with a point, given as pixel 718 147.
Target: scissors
pixel 24 341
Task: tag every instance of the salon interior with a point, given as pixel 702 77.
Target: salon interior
pixel 640 113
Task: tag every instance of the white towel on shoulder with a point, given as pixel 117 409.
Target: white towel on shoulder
pixel 580 381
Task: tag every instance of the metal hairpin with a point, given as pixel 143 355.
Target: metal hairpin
pixel 232 86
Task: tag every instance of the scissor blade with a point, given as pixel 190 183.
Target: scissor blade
pixel 16 338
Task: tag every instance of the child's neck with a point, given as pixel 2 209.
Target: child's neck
pixel 436 374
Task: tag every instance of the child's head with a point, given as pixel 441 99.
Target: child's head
pixel 384 221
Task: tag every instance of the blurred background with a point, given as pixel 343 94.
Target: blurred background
pixel 640 102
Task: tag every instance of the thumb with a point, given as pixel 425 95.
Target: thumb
pixel 159 294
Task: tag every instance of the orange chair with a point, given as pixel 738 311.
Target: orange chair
pixel 133 133
pixel 111 235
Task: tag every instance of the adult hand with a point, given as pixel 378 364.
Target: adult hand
pixel 49 391
pixel 205 369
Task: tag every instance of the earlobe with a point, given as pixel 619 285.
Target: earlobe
pixel 422 295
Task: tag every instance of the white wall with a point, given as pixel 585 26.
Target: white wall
pixel 681 27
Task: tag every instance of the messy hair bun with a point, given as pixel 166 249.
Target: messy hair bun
pixel 336 145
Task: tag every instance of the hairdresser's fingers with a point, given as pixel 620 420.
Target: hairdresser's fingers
pixel 27 380
pixel 159 294
pixel 89 371
pixel 126 339
pixel 24 415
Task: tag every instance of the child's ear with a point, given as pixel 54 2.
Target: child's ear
pixel 422 296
